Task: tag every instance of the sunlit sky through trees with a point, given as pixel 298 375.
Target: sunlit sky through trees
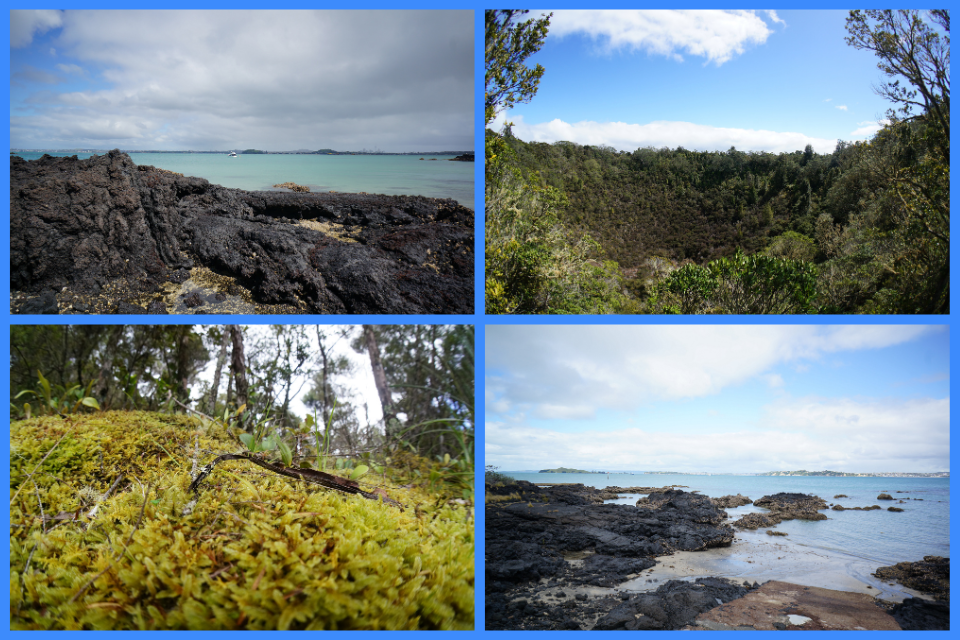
pixel 757 80
pixel 722 399
pixel 360 381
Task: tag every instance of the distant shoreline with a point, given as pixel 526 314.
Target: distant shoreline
pixel 322 152
pixel 782 474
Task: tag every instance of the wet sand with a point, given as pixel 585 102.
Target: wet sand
pixel 757 557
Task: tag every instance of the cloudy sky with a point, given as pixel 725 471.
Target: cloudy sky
pixel 757 80
pixel 214 80
pixel 721 399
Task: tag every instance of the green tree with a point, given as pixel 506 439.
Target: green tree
pixel 911 156
pixel 509 42
pixel 909 49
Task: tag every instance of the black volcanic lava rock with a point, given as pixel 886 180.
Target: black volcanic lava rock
pixel 930 575
pixel 794 506
pixel 84 223
pixel 732 502
pixel 916 614
pixel 674 605
pixel 677 521
pixel 45 303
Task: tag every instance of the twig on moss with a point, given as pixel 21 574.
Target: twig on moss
pixel 307 475
pixel 199 413
pixel 43 524
pixel 93 511
pixel 83 589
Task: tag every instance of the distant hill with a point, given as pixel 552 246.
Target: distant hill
pixel 566 470
pixel 844 474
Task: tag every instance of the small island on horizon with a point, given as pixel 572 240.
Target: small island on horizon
pixel 801 472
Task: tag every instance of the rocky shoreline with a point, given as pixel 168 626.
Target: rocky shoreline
pixel 558 558
pixel 103 235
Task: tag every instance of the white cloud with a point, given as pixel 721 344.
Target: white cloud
pixel 717 36
pixel 774 17
pixel 551 370
pixel 829 100
pixel 72 69
pixel 852 448
pixel 842 107
pixel 774 380
pixel 276 80
pixel 25 24
pixel 629 137
pixel 869 128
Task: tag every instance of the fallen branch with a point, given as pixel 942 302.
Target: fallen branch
pixel 311 476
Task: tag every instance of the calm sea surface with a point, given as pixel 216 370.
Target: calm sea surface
pixel 434 176
pixel 875 538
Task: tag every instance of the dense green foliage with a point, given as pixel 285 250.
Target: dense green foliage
pixel 863 229
pixel 533 263
pixel 68 369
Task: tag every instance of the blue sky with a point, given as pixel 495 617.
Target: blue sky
pixel 718 398
pixel 215 80
pixel 758 80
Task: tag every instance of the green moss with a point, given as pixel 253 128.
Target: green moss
pixel 257 551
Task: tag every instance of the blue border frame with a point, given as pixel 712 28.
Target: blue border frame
pixel 478 318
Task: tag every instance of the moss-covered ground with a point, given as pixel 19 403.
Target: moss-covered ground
pixel 256 551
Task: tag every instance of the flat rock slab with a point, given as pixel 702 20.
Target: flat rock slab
pixel 782 605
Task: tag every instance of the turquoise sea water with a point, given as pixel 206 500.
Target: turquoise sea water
pixel 390 175
pixel 870 538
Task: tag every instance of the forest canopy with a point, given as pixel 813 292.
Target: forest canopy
pixel 418 396
pixel 577 228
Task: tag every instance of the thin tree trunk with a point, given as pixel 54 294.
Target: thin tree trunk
pixel 380 379
pixel 215 388
pixel 239 368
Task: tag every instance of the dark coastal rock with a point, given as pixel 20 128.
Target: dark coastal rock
pixel 757 520
pixel 609 571
pixel 519 561
pixel 840 495
pixel 732 502
pixel 794 506
pixel 874 507
pixel 916 614
pixel 771 532
pixel 193 300
pixel 606 494
pixel 564 520
pixel 645 489
pixel 45 304
pixel 674 605
pixel 895 509
pixel 884 496
pixel 930 575
pixel 87 223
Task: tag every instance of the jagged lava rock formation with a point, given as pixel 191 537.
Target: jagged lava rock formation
pixel 85 223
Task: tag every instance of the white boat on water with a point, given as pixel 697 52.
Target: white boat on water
pixel 233 154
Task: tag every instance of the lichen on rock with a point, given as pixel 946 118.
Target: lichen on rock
pixel 256 551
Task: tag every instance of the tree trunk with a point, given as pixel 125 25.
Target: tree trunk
pixel 380 379
pixel 215 387
pixel 239 368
